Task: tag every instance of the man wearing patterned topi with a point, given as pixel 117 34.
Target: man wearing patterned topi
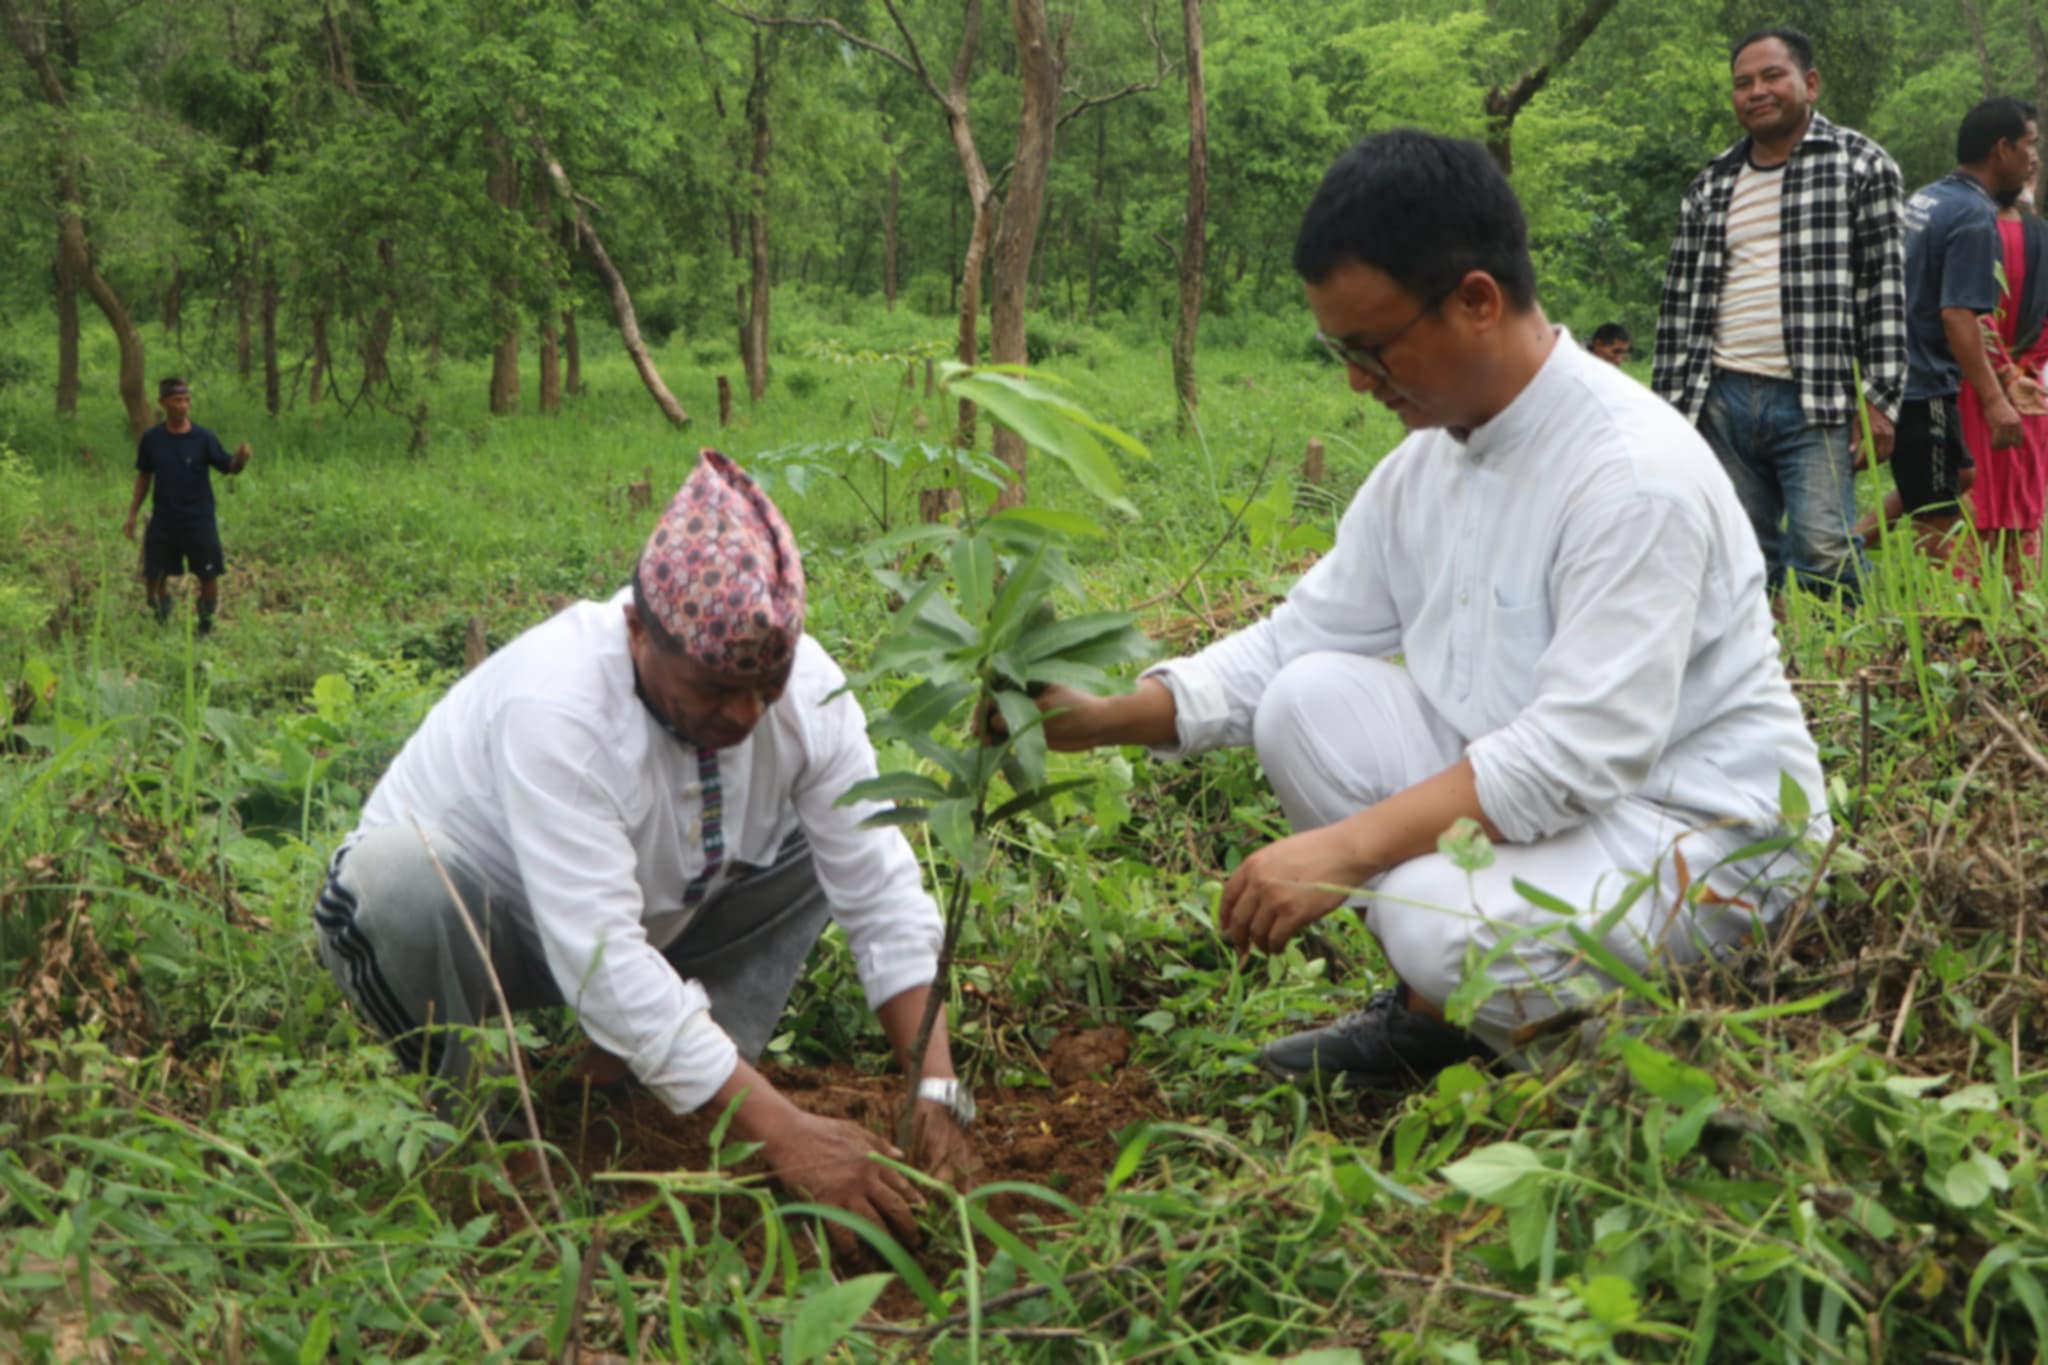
pixel 636 802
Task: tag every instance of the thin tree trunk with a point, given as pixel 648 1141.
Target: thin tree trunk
pixel 2037 44
pixel 889 240
pixel 1023 206
pixel 1973 19
pixel 67 333
pixel 78 254
pixel 245 352
pixel 1194 234
pixel 174 299
pixel 754 353
pixel 550 365
pixel 572 352
pixel 273 382
pixel 502 184
pixel 377 339
pixel 1095 207
pixel 622 301
pixel 323 359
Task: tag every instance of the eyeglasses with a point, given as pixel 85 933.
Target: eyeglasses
pixel 1367 358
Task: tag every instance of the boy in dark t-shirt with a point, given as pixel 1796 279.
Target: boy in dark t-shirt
pixel 178 458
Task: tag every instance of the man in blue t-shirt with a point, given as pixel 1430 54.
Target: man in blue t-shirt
pixel 178 458
pixel 1952 259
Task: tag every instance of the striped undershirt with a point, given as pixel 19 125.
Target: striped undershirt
pixel 1749 327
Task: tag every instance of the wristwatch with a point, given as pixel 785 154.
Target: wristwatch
pixel 957 1098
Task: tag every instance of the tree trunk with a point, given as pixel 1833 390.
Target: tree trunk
pixel 572 352
pixel 377 339
pixel 67 334
pixel 1194 235
pixel 77 252
pixel 622 301
pixel 1973 19
pixel 754 350
pixel 502 184
pixel 550 365
pixel 1038 75
pixel 889 241
pixel 2037 43
pixel 174 299
pixel 273 382
pixel 1095 208
pixel 323 359
pixel 245 352
pixel 1503 104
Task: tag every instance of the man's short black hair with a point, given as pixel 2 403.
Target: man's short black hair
pixel 1608 333
pixel 2002 118
pixel 1796 43
pixel 1424 208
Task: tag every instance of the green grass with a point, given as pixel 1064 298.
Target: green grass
pixel 1827 1148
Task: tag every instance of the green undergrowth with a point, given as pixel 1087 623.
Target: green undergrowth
pixel 1828 1147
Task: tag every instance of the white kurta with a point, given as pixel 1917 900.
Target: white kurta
pixel 544 766
pixel 1579 601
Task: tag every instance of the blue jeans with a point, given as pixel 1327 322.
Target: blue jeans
pixel 1788 474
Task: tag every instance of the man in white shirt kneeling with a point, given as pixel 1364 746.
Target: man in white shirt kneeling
pixel 635 804
pixel 1588 667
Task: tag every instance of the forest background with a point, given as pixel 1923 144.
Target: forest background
pixel 477 279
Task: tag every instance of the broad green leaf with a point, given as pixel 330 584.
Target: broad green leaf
pixel 1026 724
pixel 824 1317
pixel 953 827
pixel 893 787
pixel 1528 1223
pixel 1025 801
pixel 1466 846
pixel 1047 521
pixel 1664 1076
pixel 922 707
pixel 1128 1159
pixel 1965 1185
pixel 1498 1173
pixel 1792 802
pixel 1611 1299
pixel 1070 634
pixel 974 575
pixel 1981 1098
pixel 884 1246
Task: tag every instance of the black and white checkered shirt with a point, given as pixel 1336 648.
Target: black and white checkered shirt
pixel 1842 276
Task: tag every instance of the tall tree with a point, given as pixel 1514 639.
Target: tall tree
pixel 1504 102
pixel 74 244
pixel 754 326
pixel 1193 235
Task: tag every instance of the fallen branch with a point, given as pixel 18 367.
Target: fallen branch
pixel 2013 732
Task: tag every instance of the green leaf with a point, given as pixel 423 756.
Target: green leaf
pixel 1128 1159
pixel 1049 521
pixel 1528 1222
pixel 1024 801
pixel 319 1337
pixel 953 827
pixel 1026 724
pixel 1965 1186
pixel 884 1246
pixel 1070 634
pixel 1792 802
pixel 1684 1133
pixel 974 575
pixel 824 1318
pixel 892 787
pixel 1049 428
pixel 1466 846
pixel 1497 1173
pixel 922 707
pixel 1611 1299
pixel 1664 1076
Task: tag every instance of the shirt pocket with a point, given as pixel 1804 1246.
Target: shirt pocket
pixel 1517 633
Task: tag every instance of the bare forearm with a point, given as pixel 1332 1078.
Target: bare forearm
pixel 764 1111
pixel 900 1015
pixel 141 492
pixel 1409 823
pixel 1966 340
pixel 1146 715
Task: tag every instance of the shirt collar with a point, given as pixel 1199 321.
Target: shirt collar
pixel 1514 425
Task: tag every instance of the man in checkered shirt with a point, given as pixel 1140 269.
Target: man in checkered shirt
pixel 1788 272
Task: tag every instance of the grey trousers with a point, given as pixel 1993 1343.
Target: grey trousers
pixel 395 943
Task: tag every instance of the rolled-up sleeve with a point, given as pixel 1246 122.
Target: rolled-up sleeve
pixel 1342 603
pixel 578 869
pixel 870 877
pixel 1625 589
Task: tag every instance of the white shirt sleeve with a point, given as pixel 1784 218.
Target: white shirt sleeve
pixel 1625 588
pixel 578 868
pixel 1342 603
pixel 870 877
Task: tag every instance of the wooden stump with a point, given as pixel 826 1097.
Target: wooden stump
pixel 927 376
pixel 476 646
pixel 724 401
pixel 1312 464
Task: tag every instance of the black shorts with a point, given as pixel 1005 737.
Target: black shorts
pixel 1928 456
pixel 168 547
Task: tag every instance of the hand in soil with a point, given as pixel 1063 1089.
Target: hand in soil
pixel 1282 889
pixel 830 1161
pixel 942 1148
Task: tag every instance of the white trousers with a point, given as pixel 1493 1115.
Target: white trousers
pixel 1338 732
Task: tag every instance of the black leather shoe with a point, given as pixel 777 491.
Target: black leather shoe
pixel 1385 1046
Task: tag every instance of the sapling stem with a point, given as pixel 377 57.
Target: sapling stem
pixel 935 998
